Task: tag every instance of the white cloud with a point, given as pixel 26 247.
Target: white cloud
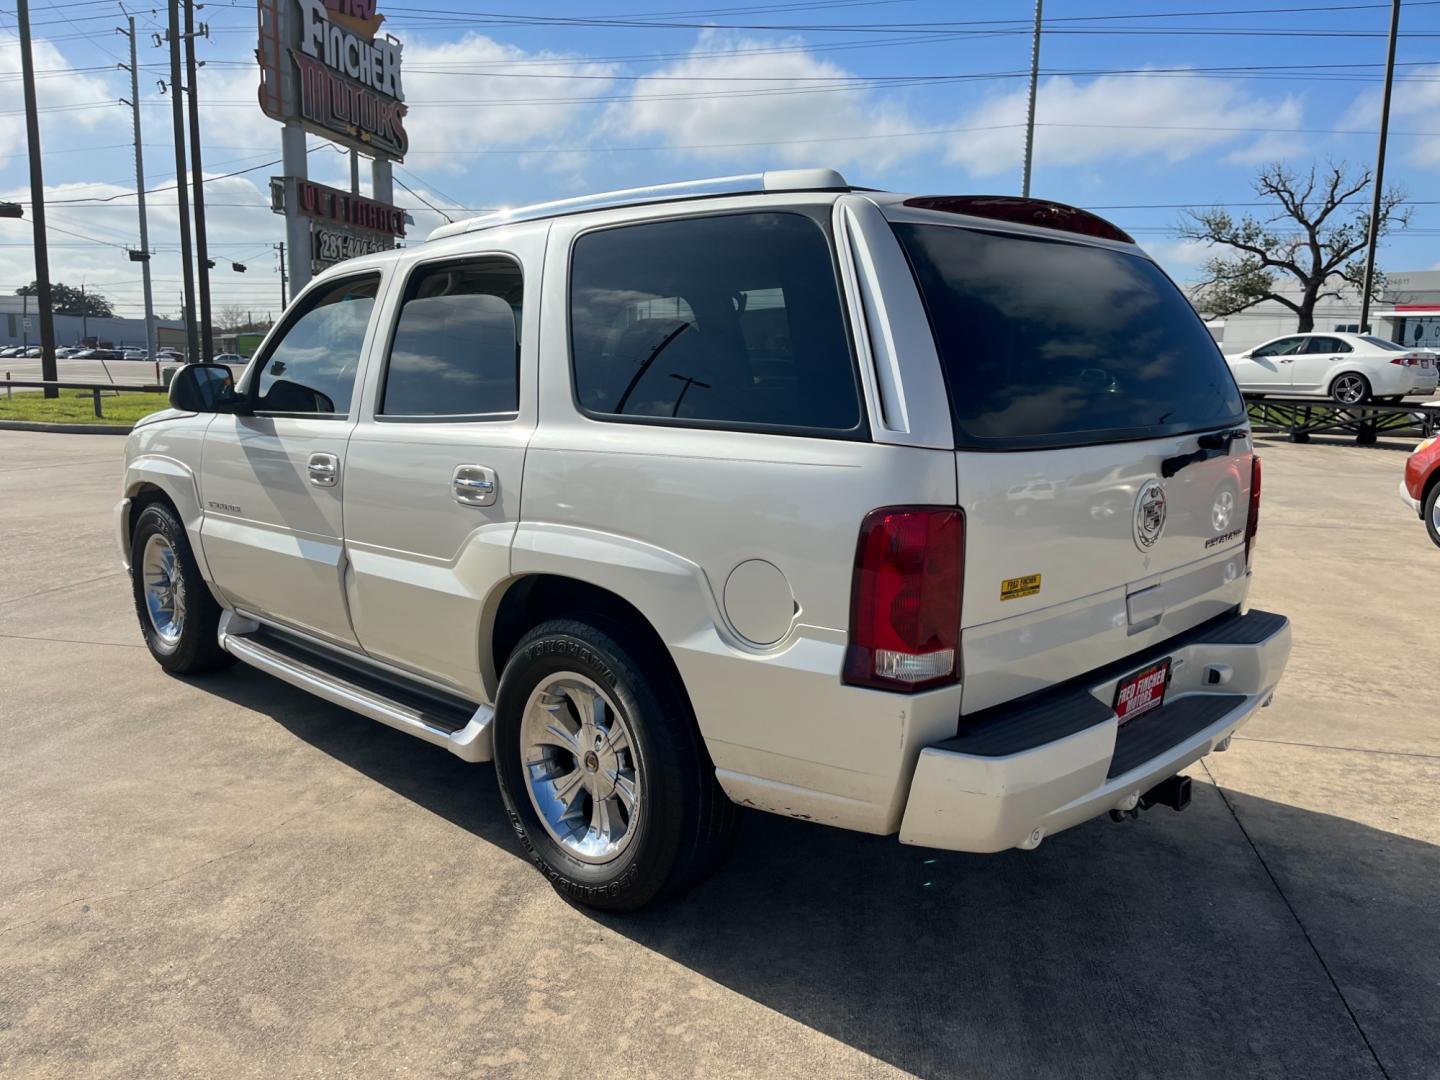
pixel 1179 258
pixel 240 227
pixel 1414 104
pixel 57 85
pixel 710 105
pixel 1124 119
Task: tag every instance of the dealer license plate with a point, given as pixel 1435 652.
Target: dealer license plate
pixel 1142 691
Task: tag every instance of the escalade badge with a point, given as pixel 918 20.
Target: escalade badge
pixel 1149 515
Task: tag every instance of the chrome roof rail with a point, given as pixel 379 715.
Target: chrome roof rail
pixel 749 183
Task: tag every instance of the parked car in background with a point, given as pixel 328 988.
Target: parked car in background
pixel 11 350
pixel 1350 368
pixel 834 503
pixel 1420 486
pixel 33 352
pixel 66 353
pixel 135 354
pixel 233 359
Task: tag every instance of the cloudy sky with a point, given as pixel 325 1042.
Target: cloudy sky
pixel 1144 107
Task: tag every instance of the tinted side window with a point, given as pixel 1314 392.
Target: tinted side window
pixel 1048 343
pixel 1316 346
pixel 1283 347
pixel 456 349
pixel 733 320
pixel 312 367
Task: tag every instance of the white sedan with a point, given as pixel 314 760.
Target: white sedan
pixel 1350 368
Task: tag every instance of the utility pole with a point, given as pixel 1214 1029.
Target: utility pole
pixel 1034 90
pixel 354 172
pixel 177 115
pixel 140 191
pixel 202 256
pixel 1377 194
pixel 281 248
pixel 48 371
pixel 84 314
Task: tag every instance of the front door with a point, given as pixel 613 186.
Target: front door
pixel 434 466
pixel 272 482
pixel 1268 366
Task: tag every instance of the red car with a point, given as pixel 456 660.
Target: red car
pixel 1420 487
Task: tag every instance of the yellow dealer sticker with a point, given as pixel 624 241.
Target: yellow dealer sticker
pixel 1016 587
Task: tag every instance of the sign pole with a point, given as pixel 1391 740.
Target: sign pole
pixel 297 226
pixel 140 194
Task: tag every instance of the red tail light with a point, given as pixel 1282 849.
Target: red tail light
pixel 905 599
pixel 1253 521
pixel 1409 361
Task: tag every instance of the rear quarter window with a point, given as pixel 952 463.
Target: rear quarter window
pixel 1048 343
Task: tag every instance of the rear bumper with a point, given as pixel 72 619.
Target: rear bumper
pixel 1027 770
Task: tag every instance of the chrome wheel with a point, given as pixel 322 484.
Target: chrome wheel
pixel 1435 516
pixel 164 589
pixel 1349 389
pixel 580 767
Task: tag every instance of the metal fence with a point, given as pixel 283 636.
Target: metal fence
pixel 98 391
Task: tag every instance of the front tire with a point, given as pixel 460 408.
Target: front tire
pixel 1432 513
pixel 1351 388
pixel 177 614
pixel 602 769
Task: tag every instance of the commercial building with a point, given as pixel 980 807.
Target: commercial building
pixel 1408 312
pixel 18 311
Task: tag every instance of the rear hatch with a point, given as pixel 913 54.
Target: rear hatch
pixel 1103 457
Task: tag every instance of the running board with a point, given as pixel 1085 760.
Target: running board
pixel 248 642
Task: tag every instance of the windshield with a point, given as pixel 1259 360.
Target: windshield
pixel 1051 343
pixel 1381 343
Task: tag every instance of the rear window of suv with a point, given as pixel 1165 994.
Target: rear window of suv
pixel 1049 343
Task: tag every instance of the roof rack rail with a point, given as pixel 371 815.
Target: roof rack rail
pixel 746 184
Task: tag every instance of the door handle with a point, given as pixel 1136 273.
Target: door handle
pixel 474 485
pixel 323 469
pixel 1287 360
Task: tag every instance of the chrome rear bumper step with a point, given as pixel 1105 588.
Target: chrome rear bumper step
pixel 405 710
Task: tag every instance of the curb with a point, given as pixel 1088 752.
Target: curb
pixel 70 429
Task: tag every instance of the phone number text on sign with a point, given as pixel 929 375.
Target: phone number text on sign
pixel 332 247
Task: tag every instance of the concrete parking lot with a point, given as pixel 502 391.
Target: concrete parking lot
pixel 225 877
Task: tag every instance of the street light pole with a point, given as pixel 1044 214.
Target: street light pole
pixel 1034 91
pixel 48 371
pixel 1377 194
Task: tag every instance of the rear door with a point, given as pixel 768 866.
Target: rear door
pixel 272 482
pixel 1080 383
pixel 1315 364
pixel 434 467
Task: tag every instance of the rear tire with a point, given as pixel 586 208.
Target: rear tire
pixel 603 771
pixel 1432 513
pixel 1351 388
pixel 178 615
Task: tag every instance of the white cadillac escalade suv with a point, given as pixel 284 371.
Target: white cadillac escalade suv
pixel 928 515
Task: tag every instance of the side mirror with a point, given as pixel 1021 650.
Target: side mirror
pixel 205 388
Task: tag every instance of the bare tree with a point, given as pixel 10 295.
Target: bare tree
pixel 231 318
pixel 1313 239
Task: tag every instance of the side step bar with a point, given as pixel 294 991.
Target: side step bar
pixel 244 639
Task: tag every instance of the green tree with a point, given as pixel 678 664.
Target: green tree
pixel 1314 239
pixel 68 301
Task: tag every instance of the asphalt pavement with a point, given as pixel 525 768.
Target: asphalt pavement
pixel 226 877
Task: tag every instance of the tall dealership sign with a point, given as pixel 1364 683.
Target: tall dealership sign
pixel 327 70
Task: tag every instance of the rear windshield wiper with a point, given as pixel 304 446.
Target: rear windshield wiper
pixel 1212 444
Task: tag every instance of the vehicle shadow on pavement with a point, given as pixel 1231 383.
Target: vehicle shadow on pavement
pixel 1161 948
